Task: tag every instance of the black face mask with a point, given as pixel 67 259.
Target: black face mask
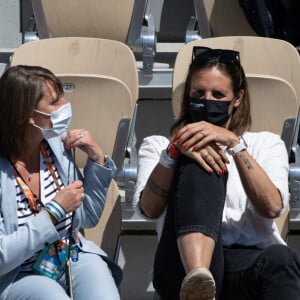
pixel 212 111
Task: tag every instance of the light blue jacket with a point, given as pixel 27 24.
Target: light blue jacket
pixel 19 244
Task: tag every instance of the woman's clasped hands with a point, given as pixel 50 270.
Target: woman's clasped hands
pixel 206 143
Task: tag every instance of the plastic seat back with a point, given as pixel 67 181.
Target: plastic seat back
pixel 273 100
pixel 226 18
pixel 259 55
pixel 107 232
pixel 108 19
pixel 82 55
pixel 99 104
pixel 103 105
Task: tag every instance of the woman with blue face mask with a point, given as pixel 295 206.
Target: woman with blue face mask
pixel 214 191
pixel 44 200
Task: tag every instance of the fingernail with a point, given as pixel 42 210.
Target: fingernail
pixel 210 171
pixel 184 146
pixel 227 162
pixel 194 148
pixel 220 172
pixel 178 142
pixel 176 135
pixel 225 170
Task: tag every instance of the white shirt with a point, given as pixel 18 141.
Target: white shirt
pixel 241 224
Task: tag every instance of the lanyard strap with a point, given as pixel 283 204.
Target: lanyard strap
pixel 27 191
pixel 49 164
pixel 32 200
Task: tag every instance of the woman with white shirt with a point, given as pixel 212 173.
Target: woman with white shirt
pixel 215 190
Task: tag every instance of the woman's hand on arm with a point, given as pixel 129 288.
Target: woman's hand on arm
pixel 82 139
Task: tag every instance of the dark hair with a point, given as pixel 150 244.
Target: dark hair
pixel 21 88
pixel 241 118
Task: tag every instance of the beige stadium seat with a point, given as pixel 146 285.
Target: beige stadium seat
pixel 100 80
pixel 106 233
pixel 273 99
pixel 259 55
pixel 127 21
pixel 108 19
pixel 99 103
pixel 225 18
pixel 103 105
pixel 82 55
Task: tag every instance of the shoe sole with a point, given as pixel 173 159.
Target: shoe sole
pixel 198 285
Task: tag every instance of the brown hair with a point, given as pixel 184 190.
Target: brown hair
pixel 241 118
pixel 21 88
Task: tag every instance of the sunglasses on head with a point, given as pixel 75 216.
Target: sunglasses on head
pixel 223 55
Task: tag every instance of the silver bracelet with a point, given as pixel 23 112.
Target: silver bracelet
pixel 166 161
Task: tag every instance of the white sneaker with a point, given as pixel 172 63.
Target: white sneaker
pixel 198 284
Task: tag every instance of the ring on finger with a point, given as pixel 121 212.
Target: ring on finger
pixel 206 156
pixel 81 136
pixel 203 135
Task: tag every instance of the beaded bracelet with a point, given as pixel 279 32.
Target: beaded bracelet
pixel 55 210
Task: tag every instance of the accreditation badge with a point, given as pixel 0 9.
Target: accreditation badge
pixel 52 260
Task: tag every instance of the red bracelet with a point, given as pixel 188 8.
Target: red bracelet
pixel 173 151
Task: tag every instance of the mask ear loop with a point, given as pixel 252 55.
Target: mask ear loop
pixel 42 113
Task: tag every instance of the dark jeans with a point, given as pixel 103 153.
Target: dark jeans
pixel 272 273
pixel 249 273
pixel 197 205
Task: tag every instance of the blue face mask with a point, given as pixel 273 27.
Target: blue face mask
pixel 212 111
pixel 60 120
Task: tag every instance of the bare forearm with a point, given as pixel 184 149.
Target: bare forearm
pixel 156 192
pixel 259 188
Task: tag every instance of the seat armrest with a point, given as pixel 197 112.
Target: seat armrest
pixel 126 176
pixel 192 32
pixel 202 18
pixel 119 149
pixel 282 223
pixel 125 156
pixel 142 35
pixel 30 33
pixel 287 134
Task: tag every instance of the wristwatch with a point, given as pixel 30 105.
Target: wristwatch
pixel 239 147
